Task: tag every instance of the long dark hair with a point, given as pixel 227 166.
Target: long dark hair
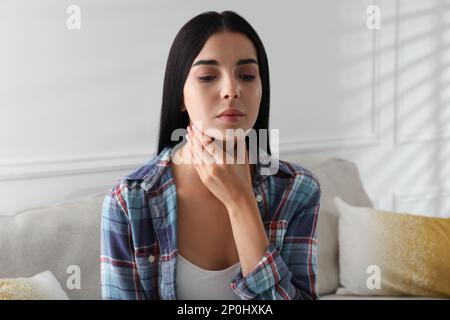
pixel 187 44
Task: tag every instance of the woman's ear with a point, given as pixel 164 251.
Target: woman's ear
pixel 183 108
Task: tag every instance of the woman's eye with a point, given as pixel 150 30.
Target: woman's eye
pixel 247 77
pixel 207 78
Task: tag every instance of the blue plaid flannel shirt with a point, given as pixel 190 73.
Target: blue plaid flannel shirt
pixel 139 238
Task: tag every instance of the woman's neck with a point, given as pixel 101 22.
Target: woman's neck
pixel 186 168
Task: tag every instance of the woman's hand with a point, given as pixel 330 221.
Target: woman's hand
pixel 232 184
pixel 228 182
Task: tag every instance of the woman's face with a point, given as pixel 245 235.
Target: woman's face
pixel 224 75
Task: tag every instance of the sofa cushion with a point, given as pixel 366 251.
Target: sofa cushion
pixel 63 238
pixel 337 177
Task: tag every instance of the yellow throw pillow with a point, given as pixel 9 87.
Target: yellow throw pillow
pixel 392 254
pixel 13 289
pixel 42 286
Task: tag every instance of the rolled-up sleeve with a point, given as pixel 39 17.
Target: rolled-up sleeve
pixel 119 276
pixel 289 273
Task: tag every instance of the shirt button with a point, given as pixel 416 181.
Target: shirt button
pixel 259 198
pixel 151 258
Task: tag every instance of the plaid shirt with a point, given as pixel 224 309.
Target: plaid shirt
pixel 139 238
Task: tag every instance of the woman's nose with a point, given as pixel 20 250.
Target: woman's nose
pixel 231 89
pixel 229 94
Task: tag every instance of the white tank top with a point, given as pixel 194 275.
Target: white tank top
pixel 195 283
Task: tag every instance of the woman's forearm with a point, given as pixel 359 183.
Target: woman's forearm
pixel 248 231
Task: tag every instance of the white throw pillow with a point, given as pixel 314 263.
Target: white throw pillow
pixel 42 286
pixel 337 177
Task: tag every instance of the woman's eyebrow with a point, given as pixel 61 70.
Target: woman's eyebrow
pixel 215 63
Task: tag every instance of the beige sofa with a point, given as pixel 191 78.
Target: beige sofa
pixel 64 235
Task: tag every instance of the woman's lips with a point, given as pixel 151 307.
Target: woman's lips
pixel 231 118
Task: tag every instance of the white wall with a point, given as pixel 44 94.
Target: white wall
pixel 80 108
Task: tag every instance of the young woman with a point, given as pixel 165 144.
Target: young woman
pixel 205 228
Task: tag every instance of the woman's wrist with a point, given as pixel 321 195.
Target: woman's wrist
pixel 243 202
